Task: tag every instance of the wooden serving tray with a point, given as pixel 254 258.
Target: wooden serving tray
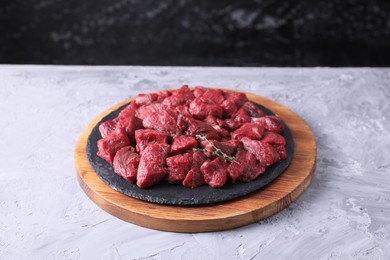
pixel 214 217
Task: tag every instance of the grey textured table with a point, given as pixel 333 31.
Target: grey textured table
pixel 44 214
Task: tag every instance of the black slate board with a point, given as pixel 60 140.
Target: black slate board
pixel 165 193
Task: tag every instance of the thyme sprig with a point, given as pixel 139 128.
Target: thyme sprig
pixel 217 152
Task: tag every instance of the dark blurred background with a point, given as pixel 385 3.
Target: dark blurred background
pixel 184 32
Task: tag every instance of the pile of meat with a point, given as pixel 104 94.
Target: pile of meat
pixel 192 137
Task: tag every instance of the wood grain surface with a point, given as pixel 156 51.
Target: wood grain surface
pixel 222 216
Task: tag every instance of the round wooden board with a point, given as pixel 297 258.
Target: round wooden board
pixel 226 215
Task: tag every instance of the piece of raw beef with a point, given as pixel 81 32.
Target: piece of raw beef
pixel 145 137
pixel 126 162
pixel 177 168
pixel 195 177
pixel 151 168
pixel 108 146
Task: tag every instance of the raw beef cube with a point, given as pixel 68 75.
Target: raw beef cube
pixel 145 137
pixel 144 111
pixel 199 109
pixel 211 120
pixel 264 152
pixel 244 162
pixel 177 168
pixel 234 142
pixel 252 173
pixel 179 97
pixel 196 160
pixel 163 94
pixel 172 112
pixel 214 172
pixel 107 127
pixel 196 127
pixel 185 92
pixel 162 122
pixel 151 168
pixel 108 146
pixel 146 99
pixel 183 110
pixel 253 131
pixel 277 141
pixel 182 144
pixel 174 101
pixel 128 111
pixel 237 98
pixel 225 147
pixel 182 122
pixel 213 96
pixel 222 131
pixel 253 110
pixel 238 119
pixel 199 91
pixel 127 120
pixel 126 162
pixel 273 138
pixel 272 123
pixel 130 124
pixel 229 108
pixel 195 177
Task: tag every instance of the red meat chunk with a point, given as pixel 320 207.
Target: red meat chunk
pixel 179 97
pixel 253 110
pixel 126 162
pixel 151 168
pixel 252 173
pixel 199 91
pixel 213 96
pixel 200 109
pixel 271 123
pixel 128 111
pixel 107 127
pixel 130 124
pixel 244 162
pixel 144 111
pixel 182 144
pixel 237 120
pixel 211 120
pixel 215 172
pixel 229 108
pixel 183 110
pixel 237 98
pixel 273 138
pixel 184 91
pixel 277 141
pixel 253 131
pixel 146 99
pixel 195 177
pixel 234 142
pixel 129 121
pixel 177 168
pixel 264 152
pixel 145 137
pixel 182 123
pixel 162 122
pixel 196 127
pixel 108 146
